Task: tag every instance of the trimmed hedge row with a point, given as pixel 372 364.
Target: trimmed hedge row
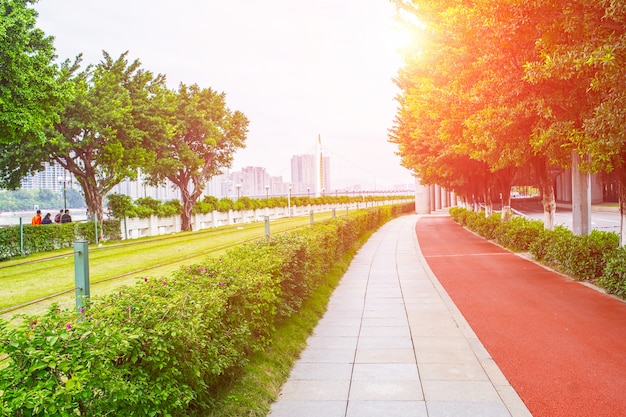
pixel 161 347
pixel 594 257
pixel 43 238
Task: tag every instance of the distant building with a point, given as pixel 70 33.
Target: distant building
pixel 51 178
pixel 303 175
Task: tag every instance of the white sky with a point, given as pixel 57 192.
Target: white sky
pixel 295 68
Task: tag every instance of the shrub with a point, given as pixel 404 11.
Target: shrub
pixel 163 346
pixel 170 208
pixel 518 233
pixel 582 257
pixel 51 237
pixel 225 204
pixel 613 278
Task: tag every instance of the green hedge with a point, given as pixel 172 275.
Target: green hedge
pixel 161 347
pixel 49 237
pixel 591 257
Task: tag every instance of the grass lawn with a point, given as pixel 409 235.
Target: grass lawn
pixel 121 263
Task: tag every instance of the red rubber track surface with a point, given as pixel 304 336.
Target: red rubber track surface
pixel 561 345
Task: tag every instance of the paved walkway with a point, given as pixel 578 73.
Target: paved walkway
pixel 392 344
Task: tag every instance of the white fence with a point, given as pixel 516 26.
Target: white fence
pixel 134 228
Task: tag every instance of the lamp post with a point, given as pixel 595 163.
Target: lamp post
pixel 267 192
pixel 308 193
pixel 289 200
pixel 238 187
pixel 64 180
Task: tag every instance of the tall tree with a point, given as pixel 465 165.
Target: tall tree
pixel 490 112
pixel 30 94
pixel 103 133
pixel 204 136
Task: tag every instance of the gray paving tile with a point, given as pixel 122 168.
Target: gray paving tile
pixel 385 331
pixel 466 409
pixel 341 331
pixel 434 355
pixel 331 342
pixel 385 356
pixel 327 355
pixel 386 391
pixel 308 409
pixel 390 371
pixel 447 391
pixel 452 371
pixel 318 371
pixel 311 390
pixel 386 409
pixel 434 342
pixel 389 342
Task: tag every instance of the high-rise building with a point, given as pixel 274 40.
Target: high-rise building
pixel 53 177
pixel 304 175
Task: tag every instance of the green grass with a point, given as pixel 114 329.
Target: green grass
pixel 22 280
pixel 252 392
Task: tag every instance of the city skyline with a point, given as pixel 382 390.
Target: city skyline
pixel 251 180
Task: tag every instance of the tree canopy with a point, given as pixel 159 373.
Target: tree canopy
pixel 204 135
pixel 514 85
pixel 31 95
pixel 106 130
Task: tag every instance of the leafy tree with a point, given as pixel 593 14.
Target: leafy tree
pixel 205 135
pixel 30 92
pixel 120 205
pixel 582 48
pixel 471 95
pixel 104 129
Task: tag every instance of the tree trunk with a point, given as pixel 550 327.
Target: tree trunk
pixel 488 202
pixel 548 201
pixel 185 216
pixel 622 210
pixel 507 213
pixel 189 201
pixel 93 198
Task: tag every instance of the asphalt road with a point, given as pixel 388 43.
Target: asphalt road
pixel 600 220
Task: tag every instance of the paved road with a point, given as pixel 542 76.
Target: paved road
pixel 601 220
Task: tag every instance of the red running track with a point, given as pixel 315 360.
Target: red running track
pixel 561 345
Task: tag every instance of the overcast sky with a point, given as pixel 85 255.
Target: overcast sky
pixel 295 68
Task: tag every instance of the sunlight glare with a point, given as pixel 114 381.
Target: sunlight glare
pixel 407 35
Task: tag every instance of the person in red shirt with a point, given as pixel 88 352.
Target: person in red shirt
pixel 36 218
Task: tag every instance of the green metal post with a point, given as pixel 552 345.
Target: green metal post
pixel 21 236
pixel 81 273
pixel 267 226
pixel 95 225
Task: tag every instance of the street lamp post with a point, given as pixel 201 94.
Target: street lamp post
pixel 308 193
pixel 64 180
pixel 267 192
pixel 289 200
pixel 238 186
